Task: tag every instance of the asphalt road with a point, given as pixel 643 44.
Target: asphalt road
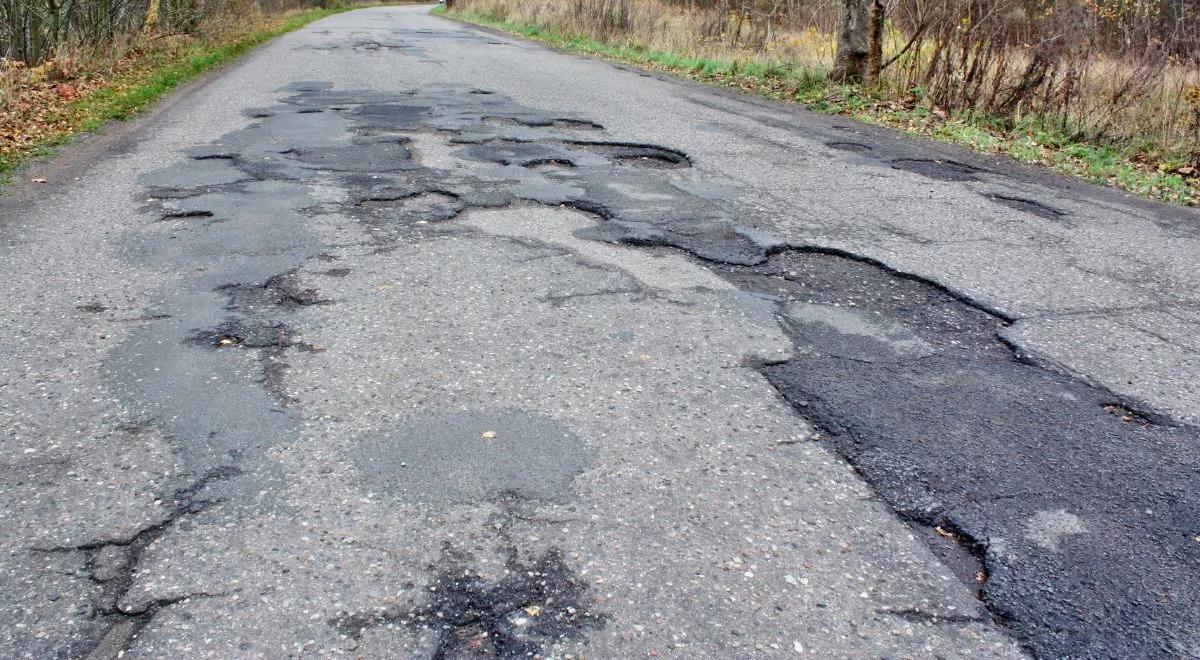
pixel 405 339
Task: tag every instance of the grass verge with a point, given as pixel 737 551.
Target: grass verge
pixel 38 115
pixel 1028 142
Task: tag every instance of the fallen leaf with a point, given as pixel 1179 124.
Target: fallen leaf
pixel 533 610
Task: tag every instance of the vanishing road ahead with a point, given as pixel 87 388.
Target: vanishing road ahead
pixel 404 339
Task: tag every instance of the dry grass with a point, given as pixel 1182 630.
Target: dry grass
pixel 655 25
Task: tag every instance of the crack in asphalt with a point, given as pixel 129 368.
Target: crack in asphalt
pixel 558 300
pixel 921 616
pixel 113 563
pixel 1030 206
pixel 253 326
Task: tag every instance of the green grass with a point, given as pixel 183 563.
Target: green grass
pixel 128 97
pixel 1029 142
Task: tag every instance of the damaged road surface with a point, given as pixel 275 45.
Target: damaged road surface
pixel 400 340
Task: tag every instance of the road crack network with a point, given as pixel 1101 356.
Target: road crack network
pixel 113 564
pixel 909 379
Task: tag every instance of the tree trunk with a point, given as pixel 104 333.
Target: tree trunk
pixel 853 41
pixel 875 54
pixel 859 55
pixel 151 19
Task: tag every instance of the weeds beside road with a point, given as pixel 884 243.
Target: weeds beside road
pixel 1120 123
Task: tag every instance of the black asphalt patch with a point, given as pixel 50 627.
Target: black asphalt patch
pixel 1084 518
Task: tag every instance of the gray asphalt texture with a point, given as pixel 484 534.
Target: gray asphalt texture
pixel 406 339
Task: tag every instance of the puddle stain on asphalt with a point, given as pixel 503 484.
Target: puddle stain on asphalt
pixel 455 458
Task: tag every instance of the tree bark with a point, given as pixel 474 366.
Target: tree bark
pixel 859 56
pixel 875 47
pixel 151 19
pixel 853 41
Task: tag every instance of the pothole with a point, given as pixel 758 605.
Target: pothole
pixel 638 155
pixel 373 46
pixel 943 170
pixel 278 291
pixel 550 165
pixel 854 147
pixel 420 207
pixel 236 333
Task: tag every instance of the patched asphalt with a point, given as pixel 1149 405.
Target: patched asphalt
pixel 1079 509
pixel 407 339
